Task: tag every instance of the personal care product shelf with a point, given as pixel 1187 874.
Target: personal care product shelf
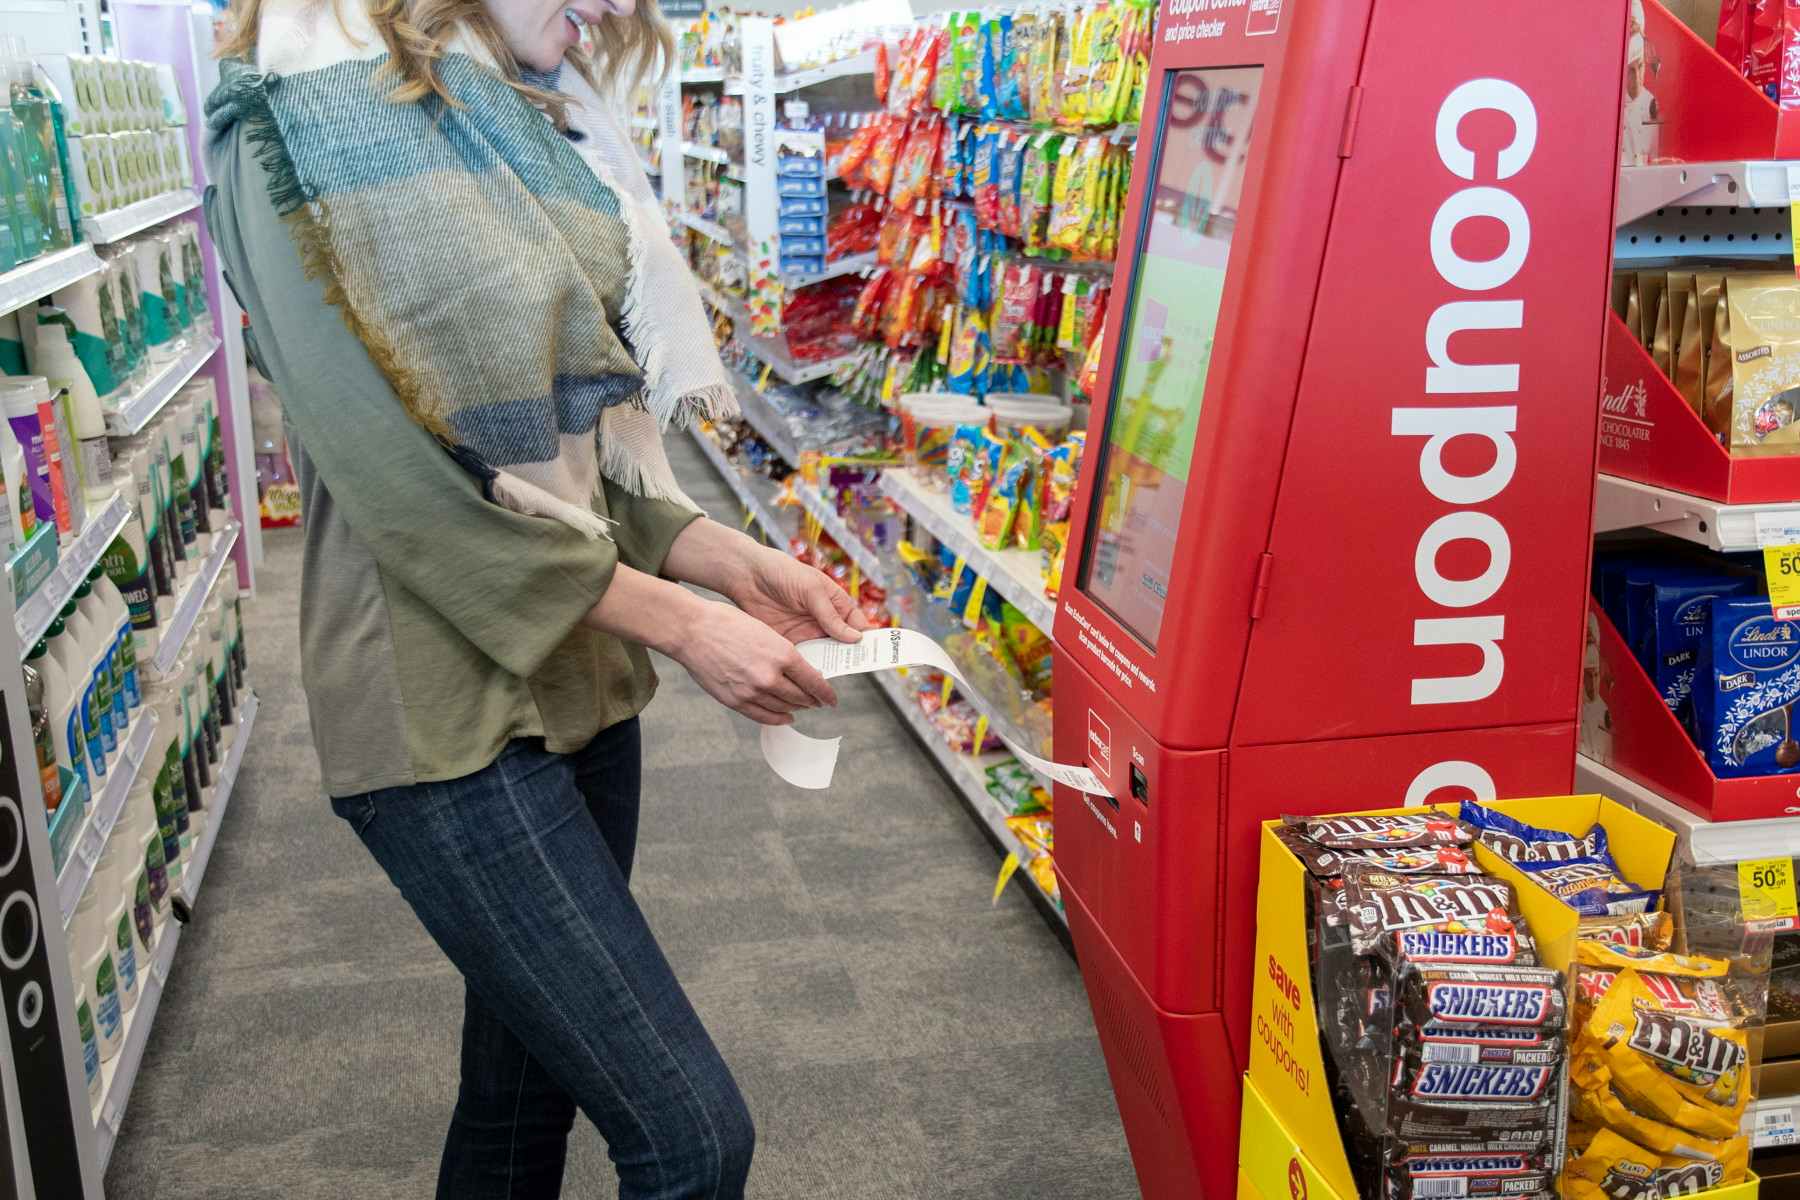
pixel 642 122
pixel 702 75
pixel 103 812
pixel 187 608
pixel 967 773
pixel 120 1075
pixel 1708 843
pixel 1643 190
pixel 706 228
pixel 774 352
pixel 756 495
pixel 121 223
pixel 45 274
pixel 73 563
pixel 1627 504
pixel 136 410
pixel 1016 574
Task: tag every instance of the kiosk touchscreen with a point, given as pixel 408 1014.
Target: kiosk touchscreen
pixel 1329 547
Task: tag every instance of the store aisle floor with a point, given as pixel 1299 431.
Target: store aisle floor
pixel 896 1036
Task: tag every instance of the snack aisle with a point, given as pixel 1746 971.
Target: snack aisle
pixel 126 553
pixel 890 253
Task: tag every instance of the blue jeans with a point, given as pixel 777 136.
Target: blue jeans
pixel 520 874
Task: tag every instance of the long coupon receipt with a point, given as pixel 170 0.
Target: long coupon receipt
pixel 808 762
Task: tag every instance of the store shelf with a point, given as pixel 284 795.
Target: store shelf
pixel 103 813
pixel 74 561
pixel 120 1075
pixel 756 495
pixel 711 229
pixel 1643 190
pixel 45 274
pixel 793 81
pixel 121 223
pixel 773 351
pixel 822 509
pixel 642 122
pixel 136 410
pixel 187 608
pixel 1628 504
pixel 966 772
pixel 1771 1122
pixel 852 265
pixel 731 306
pixel 702 75
pixel 1708 843
pixel 711 154
pixel 1015 574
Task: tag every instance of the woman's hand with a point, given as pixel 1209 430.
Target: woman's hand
pixel 797 601
pixel 747 666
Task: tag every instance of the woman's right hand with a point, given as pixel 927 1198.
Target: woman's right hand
pixel 748 667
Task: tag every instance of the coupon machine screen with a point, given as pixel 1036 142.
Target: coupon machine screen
pixel 1177 283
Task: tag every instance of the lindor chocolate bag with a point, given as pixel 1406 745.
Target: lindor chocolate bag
pixel 1765 363
pixel 1687 350
pixel 1634 319
pixel 1650 289
pixel 1621 293
pixel 1691 355
pixel 1716 398
pixel 1660 347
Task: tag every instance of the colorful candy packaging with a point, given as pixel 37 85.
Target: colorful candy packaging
pixel 1012 88
pixel 1747 678
pixel 1671 1065
pixel 913 178
pixel 970 353
pixel 997 514
pixel 984 186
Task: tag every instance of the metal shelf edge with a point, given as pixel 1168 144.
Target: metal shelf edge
pixel 103 815
pixel 187 608
pixel 36 279
pixel 121 223
pixel 72 566
pixel 136 412
pixel 958 534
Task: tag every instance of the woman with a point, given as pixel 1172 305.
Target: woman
pixel 462 288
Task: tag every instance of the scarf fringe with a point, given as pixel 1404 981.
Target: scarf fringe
pixel 530 500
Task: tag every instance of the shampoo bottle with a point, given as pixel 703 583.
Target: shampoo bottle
pixel 55 359
pixel 38 697
pixel 64 708
pixel 91 953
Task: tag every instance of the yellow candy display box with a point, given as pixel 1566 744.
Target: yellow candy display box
pixel 1290 1145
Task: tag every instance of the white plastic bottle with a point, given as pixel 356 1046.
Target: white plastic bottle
pixel 53 357
pixel 96 654
pixel 90 1043
pixel 64 707
pixel 148 833
pixel 112 880
pixel 67 653
pixel 15 490
pixel 40 699
pixel 115 616
pixel 163 693
pixel 95 968
pixel 105 623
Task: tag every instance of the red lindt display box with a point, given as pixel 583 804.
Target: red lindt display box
pixel 1626 726
pixel 1685 103
pixel 1649 433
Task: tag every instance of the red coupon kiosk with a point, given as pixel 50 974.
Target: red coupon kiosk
pixel 1332 534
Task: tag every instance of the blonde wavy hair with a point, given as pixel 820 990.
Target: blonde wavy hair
pixel 416 32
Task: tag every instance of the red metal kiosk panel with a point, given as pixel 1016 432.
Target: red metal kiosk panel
pixel 1430 549
pixel 1254 100
pixel 1330 544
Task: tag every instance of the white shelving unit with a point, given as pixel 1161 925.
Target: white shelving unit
pixel 1015 574
pixel 103 812
pixel 711 229
pixel 191 601
pixel 711 154
pixel 1627 504
pixel 121 223
pixel 1750 184
pixel 73 563
pixel 757 496
pixel 775 354
pixel 852 265
pixel 826 514
pixel 135 411
pixel 28 282
pixel 120 1076
pixel 967 773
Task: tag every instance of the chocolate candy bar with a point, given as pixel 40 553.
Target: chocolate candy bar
pixel 1445 919
pixel 1518 842
pixel 1469 1173
pixel 1426 828
pixel 1590 886
pixel 1506 997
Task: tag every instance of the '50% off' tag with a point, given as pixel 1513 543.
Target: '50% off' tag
pixel 1779 536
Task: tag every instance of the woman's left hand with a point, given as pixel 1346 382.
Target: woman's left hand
pixel 797 601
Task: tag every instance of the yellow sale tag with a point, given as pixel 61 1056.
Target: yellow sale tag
pixel 762 381
pixel 1782 566
pixel 749 516
pixel 855 579
pixel 981 730
pixel 945 330
pixel 1766 889
pixel 887 379
pixel 1007 868
pixel 944 696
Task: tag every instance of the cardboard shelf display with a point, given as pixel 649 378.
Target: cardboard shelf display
pixel 1290 1143
pixel 1703 109
pixel 1651 434
pixel 1630 729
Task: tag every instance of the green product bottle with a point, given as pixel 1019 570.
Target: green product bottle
pixel 25 236
pixel 37 153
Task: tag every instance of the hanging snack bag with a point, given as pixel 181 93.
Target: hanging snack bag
pixel 993 49
pixel 968 65
pixel 1012 308
pixel 1672 1066
pixel 970 353
pixel 1106 71
pixel 1037 190
pixel 984 187
pixel 1045 68
pixel 1012 86
pixel 856 153
pixel 994 522
pixel 913 178
pixel 1009 156
pixel 878 171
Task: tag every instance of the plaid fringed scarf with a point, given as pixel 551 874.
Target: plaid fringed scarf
pixel 518 288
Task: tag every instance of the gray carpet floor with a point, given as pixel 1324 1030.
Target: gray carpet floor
pixel 895 1035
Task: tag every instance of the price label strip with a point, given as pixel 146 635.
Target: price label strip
pixel 1774 1126
pixel 1778 533
pixel 809 762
